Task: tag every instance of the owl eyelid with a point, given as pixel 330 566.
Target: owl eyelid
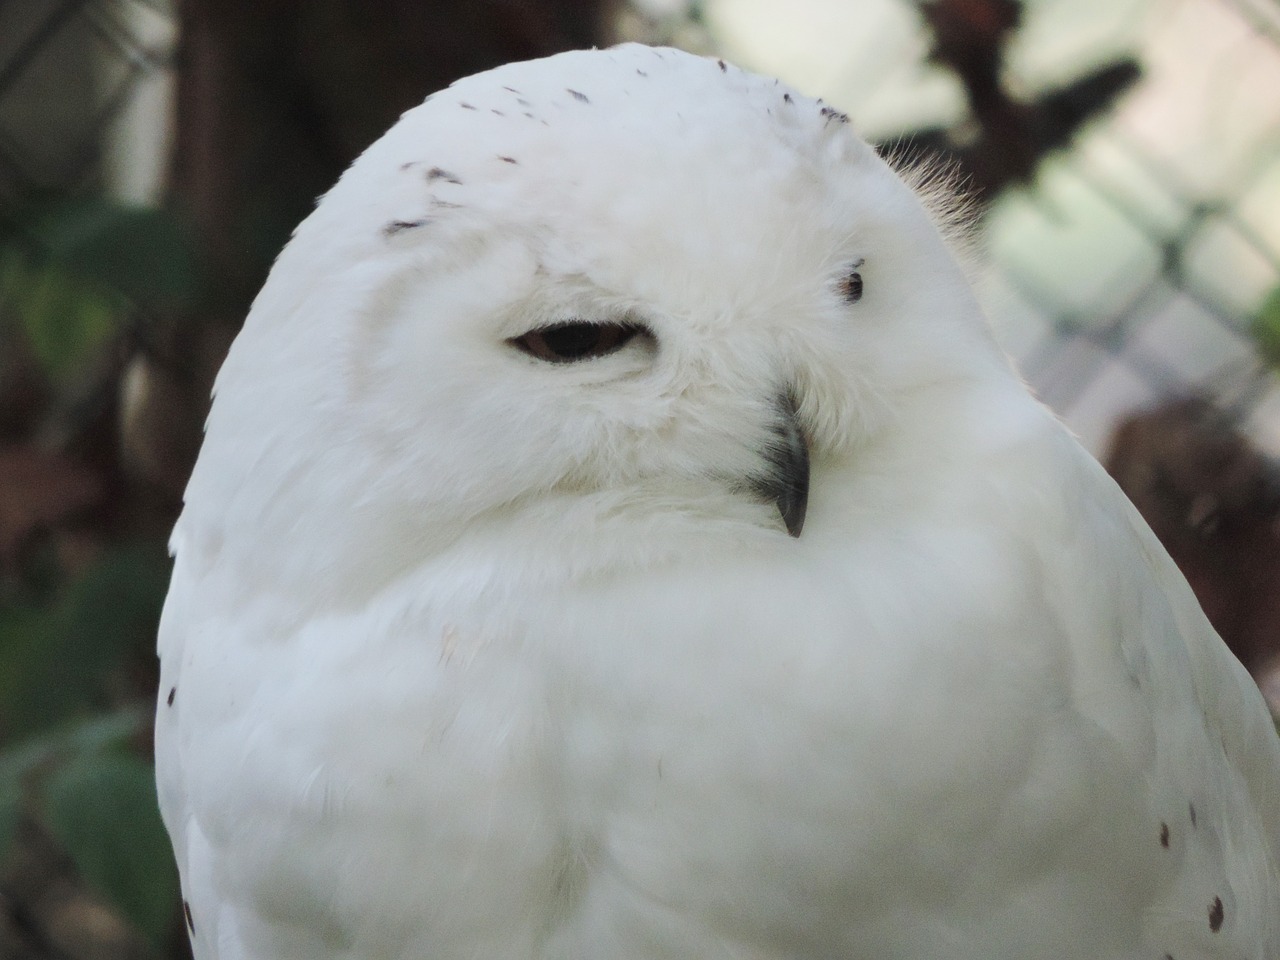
pixel 575 341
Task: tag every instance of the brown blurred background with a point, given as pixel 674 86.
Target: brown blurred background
pixel 155 154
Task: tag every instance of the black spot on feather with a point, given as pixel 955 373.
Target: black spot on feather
pixel 1164 834
pixel 580 97
pixel 436 173
pixel 1216 914
pixel 836 115
pixel 393 227
pixel 1191 808
pixel 786 98
pixel 464 105
pixel 173 692
pixel 724 67
pixel 508 159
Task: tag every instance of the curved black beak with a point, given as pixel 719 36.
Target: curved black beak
pixel 786 482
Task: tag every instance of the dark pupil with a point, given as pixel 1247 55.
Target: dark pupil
pixel 572 340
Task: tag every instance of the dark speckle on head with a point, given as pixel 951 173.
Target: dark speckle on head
pixel 851 285
pixel 464 105
pixel 436 173
pixel 523 102
pixel 641 72
pixel 1216 914
pixel 1164 834
pixel 393 227
pixel 173 692
pixel 835 115
pixel 724 67
pixel 580 97
pixel 191 924
pixel 508 159
pixel 786 98
pixel 498 113
pixel 511 90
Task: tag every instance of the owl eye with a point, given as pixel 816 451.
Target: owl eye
pixel 851 285
pixel 576 340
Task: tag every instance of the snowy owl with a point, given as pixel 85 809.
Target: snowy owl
pixel 618 537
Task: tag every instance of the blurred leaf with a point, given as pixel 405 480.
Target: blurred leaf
pixel 54 661
pixel 19 762
pixel 1266 328
pixel 102 808
pixel 143 252
pixel 117 601
pixel 10 810
pixel 26 632
pixel 65 319
pixel 70 270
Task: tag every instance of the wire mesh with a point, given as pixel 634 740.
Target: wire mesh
pixel 1152 253
pixel 70 71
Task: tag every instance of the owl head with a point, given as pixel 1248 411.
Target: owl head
pixel 629 283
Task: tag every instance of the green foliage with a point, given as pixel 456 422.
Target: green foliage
pixel 1266 328
pixel 141 253
pixel 65 320
pixel 76 769
pixel 97 798
pixel 23 763
pixel 79 279
pixel 56 651
pixel 10 802
pixel 72 272
pixel 101 806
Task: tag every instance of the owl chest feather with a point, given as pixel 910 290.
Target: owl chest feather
pixel 771 749
pixel 580 774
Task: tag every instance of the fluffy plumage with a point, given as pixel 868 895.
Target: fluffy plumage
pixel 473 654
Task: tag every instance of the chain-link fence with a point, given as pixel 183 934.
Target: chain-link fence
pixel 1131 267
pixel 84 89
pixel 1140 264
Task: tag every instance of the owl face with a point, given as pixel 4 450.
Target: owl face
pixel 632 275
